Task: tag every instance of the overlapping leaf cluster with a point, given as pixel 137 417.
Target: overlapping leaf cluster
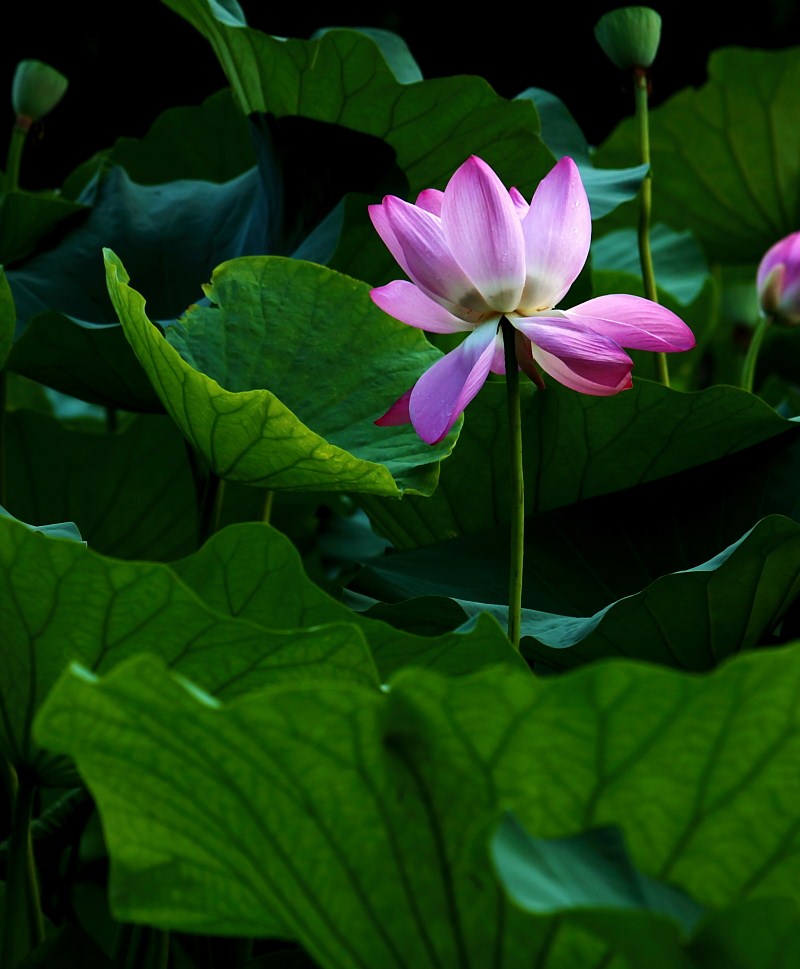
pixel 312 733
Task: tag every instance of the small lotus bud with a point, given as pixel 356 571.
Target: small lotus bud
pixel 778 281
pixel 36 90
pixel 629 36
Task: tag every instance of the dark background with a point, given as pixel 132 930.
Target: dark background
pixel 128 61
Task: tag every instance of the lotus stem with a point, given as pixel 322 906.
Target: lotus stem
pixel 517 518
pixel 646 204
pixel 18 135
pixel 750 360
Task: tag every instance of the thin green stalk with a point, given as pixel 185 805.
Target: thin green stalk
pixel 18 135
pixel 22 928
pixel 750 360
pixel 646 206
pixel 266 513
pixel 517 518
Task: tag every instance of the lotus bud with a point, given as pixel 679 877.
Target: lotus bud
pixel 629 36
pixel 36 90
pixel 778 281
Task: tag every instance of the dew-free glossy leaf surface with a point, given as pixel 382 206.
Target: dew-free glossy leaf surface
pixel 239 612
pixel 319 798
pixel 278 384
pixel 695 619
pixel 62 603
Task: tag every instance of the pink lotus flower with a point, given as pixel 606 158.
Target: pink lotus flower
pixel 778 280
pixel 476 253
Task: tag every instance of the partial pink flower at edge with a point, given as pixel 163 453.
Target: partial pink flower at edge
pixel 478 252
pixel 778 280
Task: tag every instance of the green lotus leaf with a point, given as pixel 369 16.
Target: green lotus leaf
pixel 606 188
pixel 65 603
pixel 720 168
pixel 590 882
pixel 67 530
pixel 752 935
pixel 395 52
pixel 692 618
pixel 209 142
pixel 27 217
pixel 343 78
pixel 131 493
pixel 268 384
pixel 320 799
pixel 239 613
pixel 172 235
pixel 577 447
pixel 678 262
pixel 592 869
pixel 255 573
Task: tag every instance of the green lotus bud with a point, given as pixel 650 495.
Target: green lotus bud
pixel 36 90
pixel 629 36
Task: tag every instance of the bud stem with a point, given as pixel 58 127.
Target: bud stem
pixel 640 81
pixel 750 360
pixel 18 135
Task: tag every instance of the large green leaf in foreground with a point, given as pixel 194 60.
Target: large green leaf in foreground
pixel 239 614
pixel 279 382
pixel 356 821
